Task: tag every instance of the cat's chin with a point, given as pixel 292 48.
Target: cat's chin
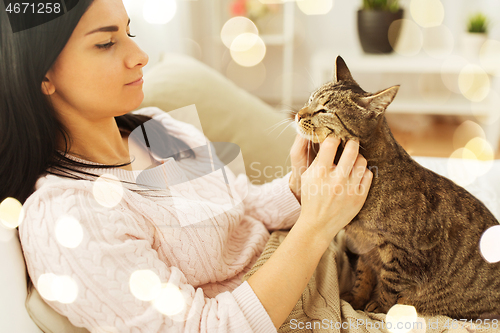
pixel 317 138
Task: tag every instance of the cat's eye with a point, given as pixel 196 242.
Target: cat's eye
pixel 319 111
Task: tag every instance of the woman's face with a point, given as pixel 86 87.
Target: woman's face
pixel 91 76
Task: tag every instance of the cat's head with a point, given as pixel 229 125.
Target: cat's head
pixel 341 108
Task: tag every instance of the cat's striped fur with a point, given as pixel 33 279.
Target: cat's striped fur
pixel 417 236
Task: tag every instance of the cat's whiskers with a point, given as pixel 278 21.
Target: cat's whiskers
pixel 289 112
pixel 311 77
pixel 308 152
pixel 291 122
pixel 278 124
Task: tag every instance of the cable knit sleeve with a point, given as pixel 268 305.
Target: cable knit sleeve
pixel 272 203
pixel 84 259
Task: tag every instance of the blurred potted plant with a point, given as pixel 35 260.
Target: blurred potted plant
pixel 476 35
pixel 374 19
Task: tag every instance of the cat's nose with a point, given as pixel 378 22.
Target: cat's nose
pixel 298 115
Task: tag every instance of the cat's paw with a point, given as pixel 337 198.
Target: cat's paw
pixel 347 296
pixel 373 306
pixel 356 303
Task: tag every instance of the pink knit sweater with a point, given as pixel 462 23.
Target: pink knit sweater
pixel 192 235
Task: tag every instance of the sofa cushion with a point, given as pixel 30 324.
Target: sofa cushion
pixel 13 314
pixel 227 113
pixel 47 318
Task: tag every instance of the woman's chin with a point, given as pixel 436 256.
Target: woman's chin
pixel 134 104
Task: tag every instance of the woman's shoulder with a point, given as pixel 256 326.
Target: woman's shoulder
pixel 51 189
pixel 55 197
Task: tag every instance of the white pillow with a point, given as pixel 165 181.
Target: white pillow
pixel 13 290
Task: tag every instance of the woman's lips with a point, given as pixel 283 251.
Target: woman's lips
pixel 136 83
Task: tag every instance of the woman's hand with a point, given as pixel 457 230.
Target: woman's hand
pixel 302 154
pixel 332 196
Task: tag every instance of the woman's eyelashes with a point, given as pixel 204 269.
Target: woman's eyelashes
pixel 108 45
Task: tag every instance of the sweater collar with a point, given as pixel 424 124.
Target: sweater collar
pixel 159 177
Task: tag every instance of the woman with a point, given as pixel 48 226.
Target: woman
pixel 71 84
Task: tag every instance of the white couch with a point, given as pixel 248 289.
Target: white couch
pixel 227 113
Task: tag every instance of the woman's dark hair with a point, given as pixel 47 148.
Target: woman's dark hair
pixel 29 127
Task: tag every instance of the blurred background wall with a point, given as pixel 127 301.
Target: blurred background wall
pixel 431 57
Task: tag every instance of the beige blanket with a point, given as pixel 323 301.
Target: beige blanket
pixel 321 310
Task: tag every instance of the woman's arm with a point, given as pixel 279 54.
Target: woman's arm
pixel 115 258
pixel 331 197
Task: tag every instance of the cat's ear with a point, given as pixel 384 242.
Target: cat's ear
pixel 341 72
pixel 378 102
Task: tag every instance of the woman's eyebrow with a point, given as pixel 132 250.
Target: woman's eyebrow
pixel 111 28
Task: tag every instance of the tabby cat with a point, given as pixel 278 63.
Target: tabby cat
pixel 417 236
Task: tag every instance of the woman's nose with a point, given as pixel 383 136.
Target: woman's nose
pixel 137 57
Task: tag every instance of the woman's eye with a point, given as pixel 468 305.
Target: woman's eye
pixel 108 45
pixel 105 46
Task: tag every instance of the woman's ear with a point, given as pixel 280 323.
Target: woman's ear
pixel 47 87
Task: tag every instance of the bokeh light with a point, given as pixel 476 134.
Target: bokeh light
pixel 159 11
pixel 235 27
pixel 401 318
pixel 69 232
pixel 108 190
pixel 451 66
pixel 463 167
pixel 248 49
pixel 474 83
pixel 11 213
pixel 465 132
pixel 45 286
pixel 489 56
pixel 487 113
pixel 427 13
pixel 248 78
pixel 481 149
pixel 145 285
pixel 170 301
pixel 410 41
pixel 57 288
pixel 489 245
pixel 483 155
pixel 438 41
pixel 315 7
pixel 192 48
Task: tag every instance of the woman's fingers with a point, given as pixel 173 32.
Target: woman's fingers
pixel 348 158
pixel 327 152
pixel 358 170
pixel 299 152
